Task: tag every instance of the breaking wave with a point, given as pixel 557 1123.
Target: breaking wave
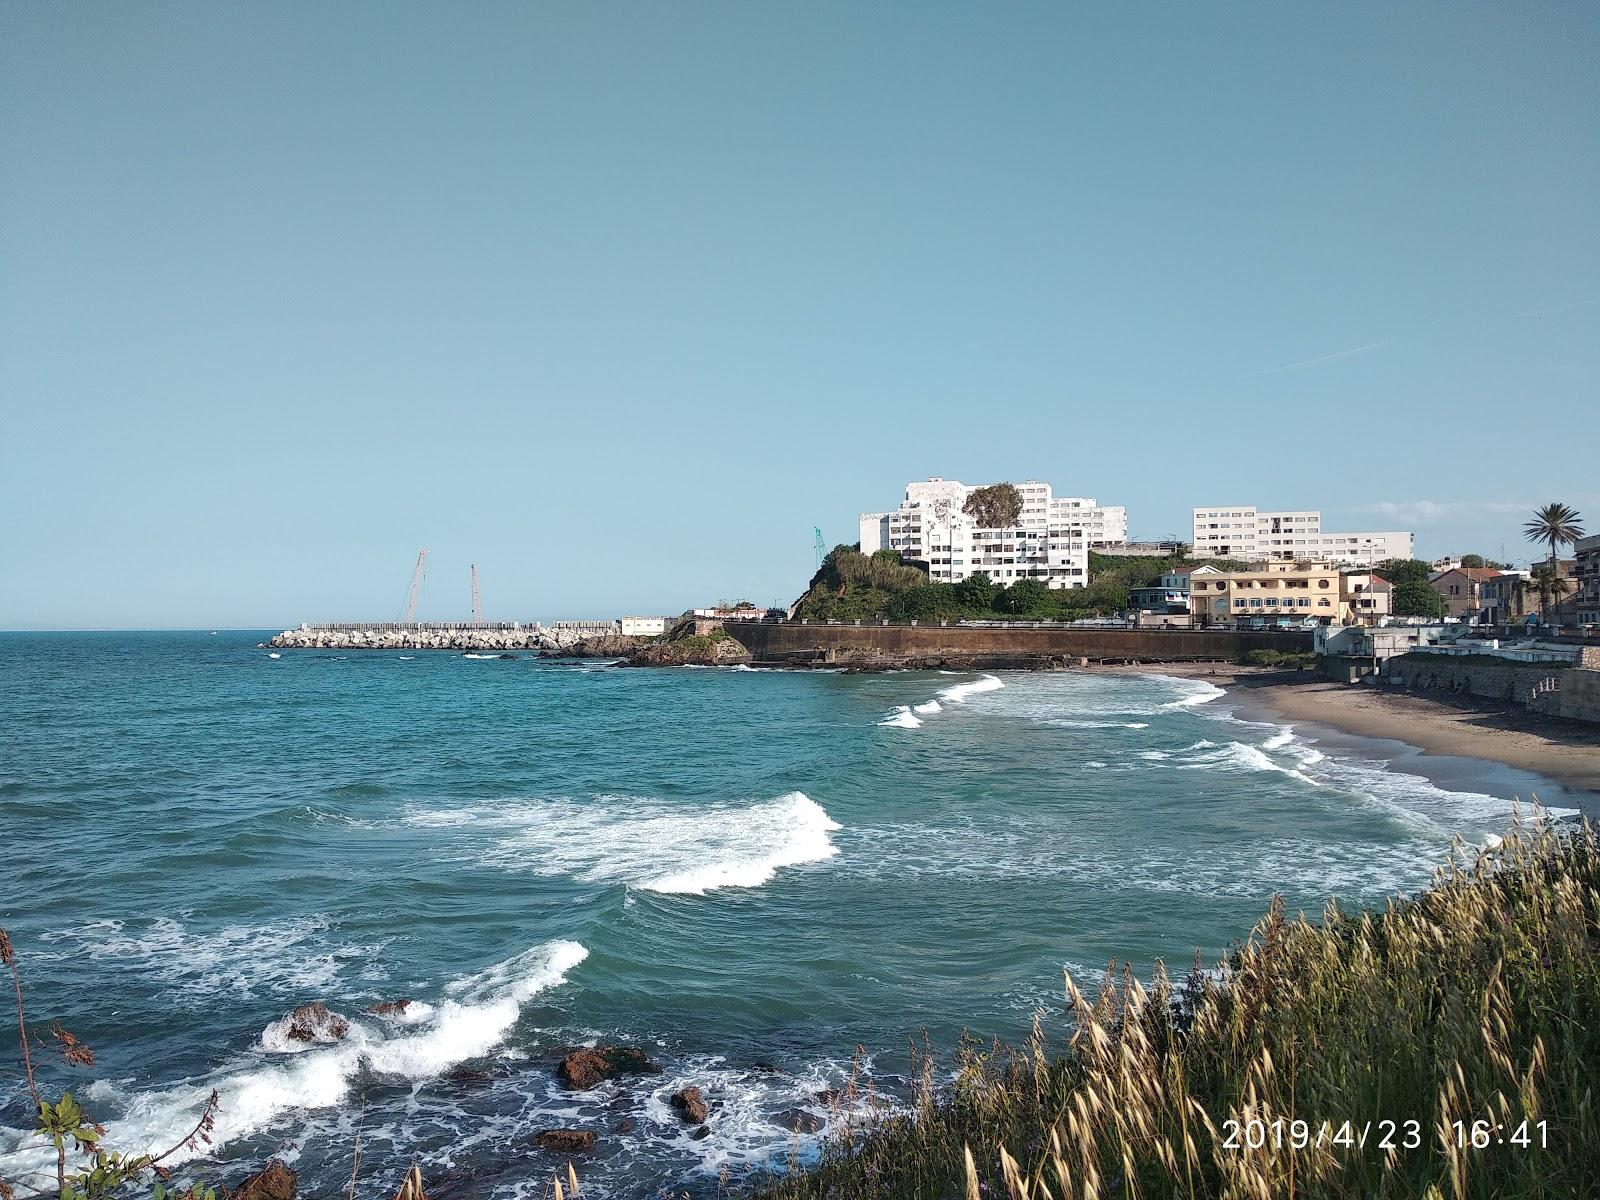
pixel 648 844
pixel 958 693
pixel 255 1093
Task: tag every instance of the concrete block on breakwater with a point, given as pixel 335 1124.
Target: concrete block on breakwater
pixel 463 637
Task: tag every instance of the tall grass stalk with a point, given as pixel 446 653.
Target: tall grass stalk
pixel 1476 1001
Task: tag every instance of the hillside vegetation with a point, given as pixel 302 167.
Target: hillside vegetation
pixel 1442 1048
pixel 851 586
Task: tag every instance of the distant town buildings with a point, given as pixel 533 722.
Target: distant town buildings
pixel 1462 588
pixel 1587 579
pixel 1171 595
pixel 1050 541
pixel 1503 598
pixel 1245 532
pixel 1289 590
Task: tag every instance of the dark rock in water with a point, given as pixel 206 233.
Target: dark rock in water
pixel 586 1068
pixel 467 1077
pixel 798 1120
pixel 314 1023
pixel 390 1008
pixel 767 1068
pixel 691 1105
pixel 625 1125
pixel 828 1096
pixel 605 645
pixel 700 1134
pixel 565 1141
pixel 274 1182
pixel 508 656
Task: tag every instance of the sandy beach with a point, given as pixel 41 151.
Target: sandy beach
pixel 1565 751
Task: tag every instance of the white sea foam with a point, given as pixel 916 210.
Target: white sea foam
pixel 274 654
pixel 254 1094
pixel 480 656
pixel 909 716
pixel 1069 724
pixel 902 718
pixel 958 693
pixel 1278 740
pixel 293 956
pixel 1198 692
pixel 649 844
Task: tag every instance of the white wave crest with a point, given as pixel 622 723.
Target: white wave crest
pixel 902 718
pixel 253 1095
pixel 957 693
pixel 1198 692
pixel 1098 724
pixel 648 844
pixel 932 706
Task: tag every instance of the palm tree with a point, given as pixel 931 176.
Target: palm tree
pixel 1551 585
pixel 1555 524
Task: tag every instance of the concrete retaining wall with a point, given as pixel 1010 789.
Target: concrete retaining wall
pixel 1553 691
pixel 989 647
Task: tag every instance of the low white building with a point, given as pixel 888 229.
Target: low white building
pixel 1245 532
pixel 642 626
pixel 1050 541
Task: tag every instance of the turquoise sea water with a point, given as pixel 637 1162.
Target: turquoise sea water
pixel 748 873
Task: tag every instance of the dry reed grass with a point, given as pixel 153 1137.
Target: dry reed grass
pixel 1476 1002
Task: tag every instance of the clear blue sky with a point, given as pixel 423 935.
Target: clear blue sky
pixel 619 301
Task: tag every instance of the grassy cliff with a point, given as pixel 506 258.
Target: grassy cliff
pixel 1444 1047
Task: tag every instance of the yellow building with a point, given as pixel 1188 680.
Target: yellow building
pixel 1289 591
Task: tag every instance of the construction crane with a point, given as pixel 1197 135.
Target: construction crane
pixel 415 589
pixel 477 600
pixel 821 553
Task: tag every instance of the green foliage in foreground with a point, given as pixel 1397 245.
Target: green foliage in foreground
pixel 851 586
pixel 1468 1015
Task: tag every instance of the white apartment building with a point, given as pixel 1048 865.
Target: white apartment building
pixel 1245 532
pixel 1050 541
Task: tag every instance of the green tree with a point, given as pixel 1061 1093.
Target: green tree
pixel 997 506
pixel 1414 595
pixel 1413 599
pixel 976 592
pixel 1025 597
pixel 1547 579
pixel 1472 560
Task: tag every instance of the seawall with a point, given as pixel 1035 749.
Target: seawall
pixel 990 647
pixel 1571 692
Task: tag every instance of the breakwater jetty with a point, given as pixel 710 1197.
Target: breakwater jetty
pixel 1015 644
pixel 483 637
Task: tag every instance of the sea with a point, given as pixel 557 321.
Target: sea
pixel 773 882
